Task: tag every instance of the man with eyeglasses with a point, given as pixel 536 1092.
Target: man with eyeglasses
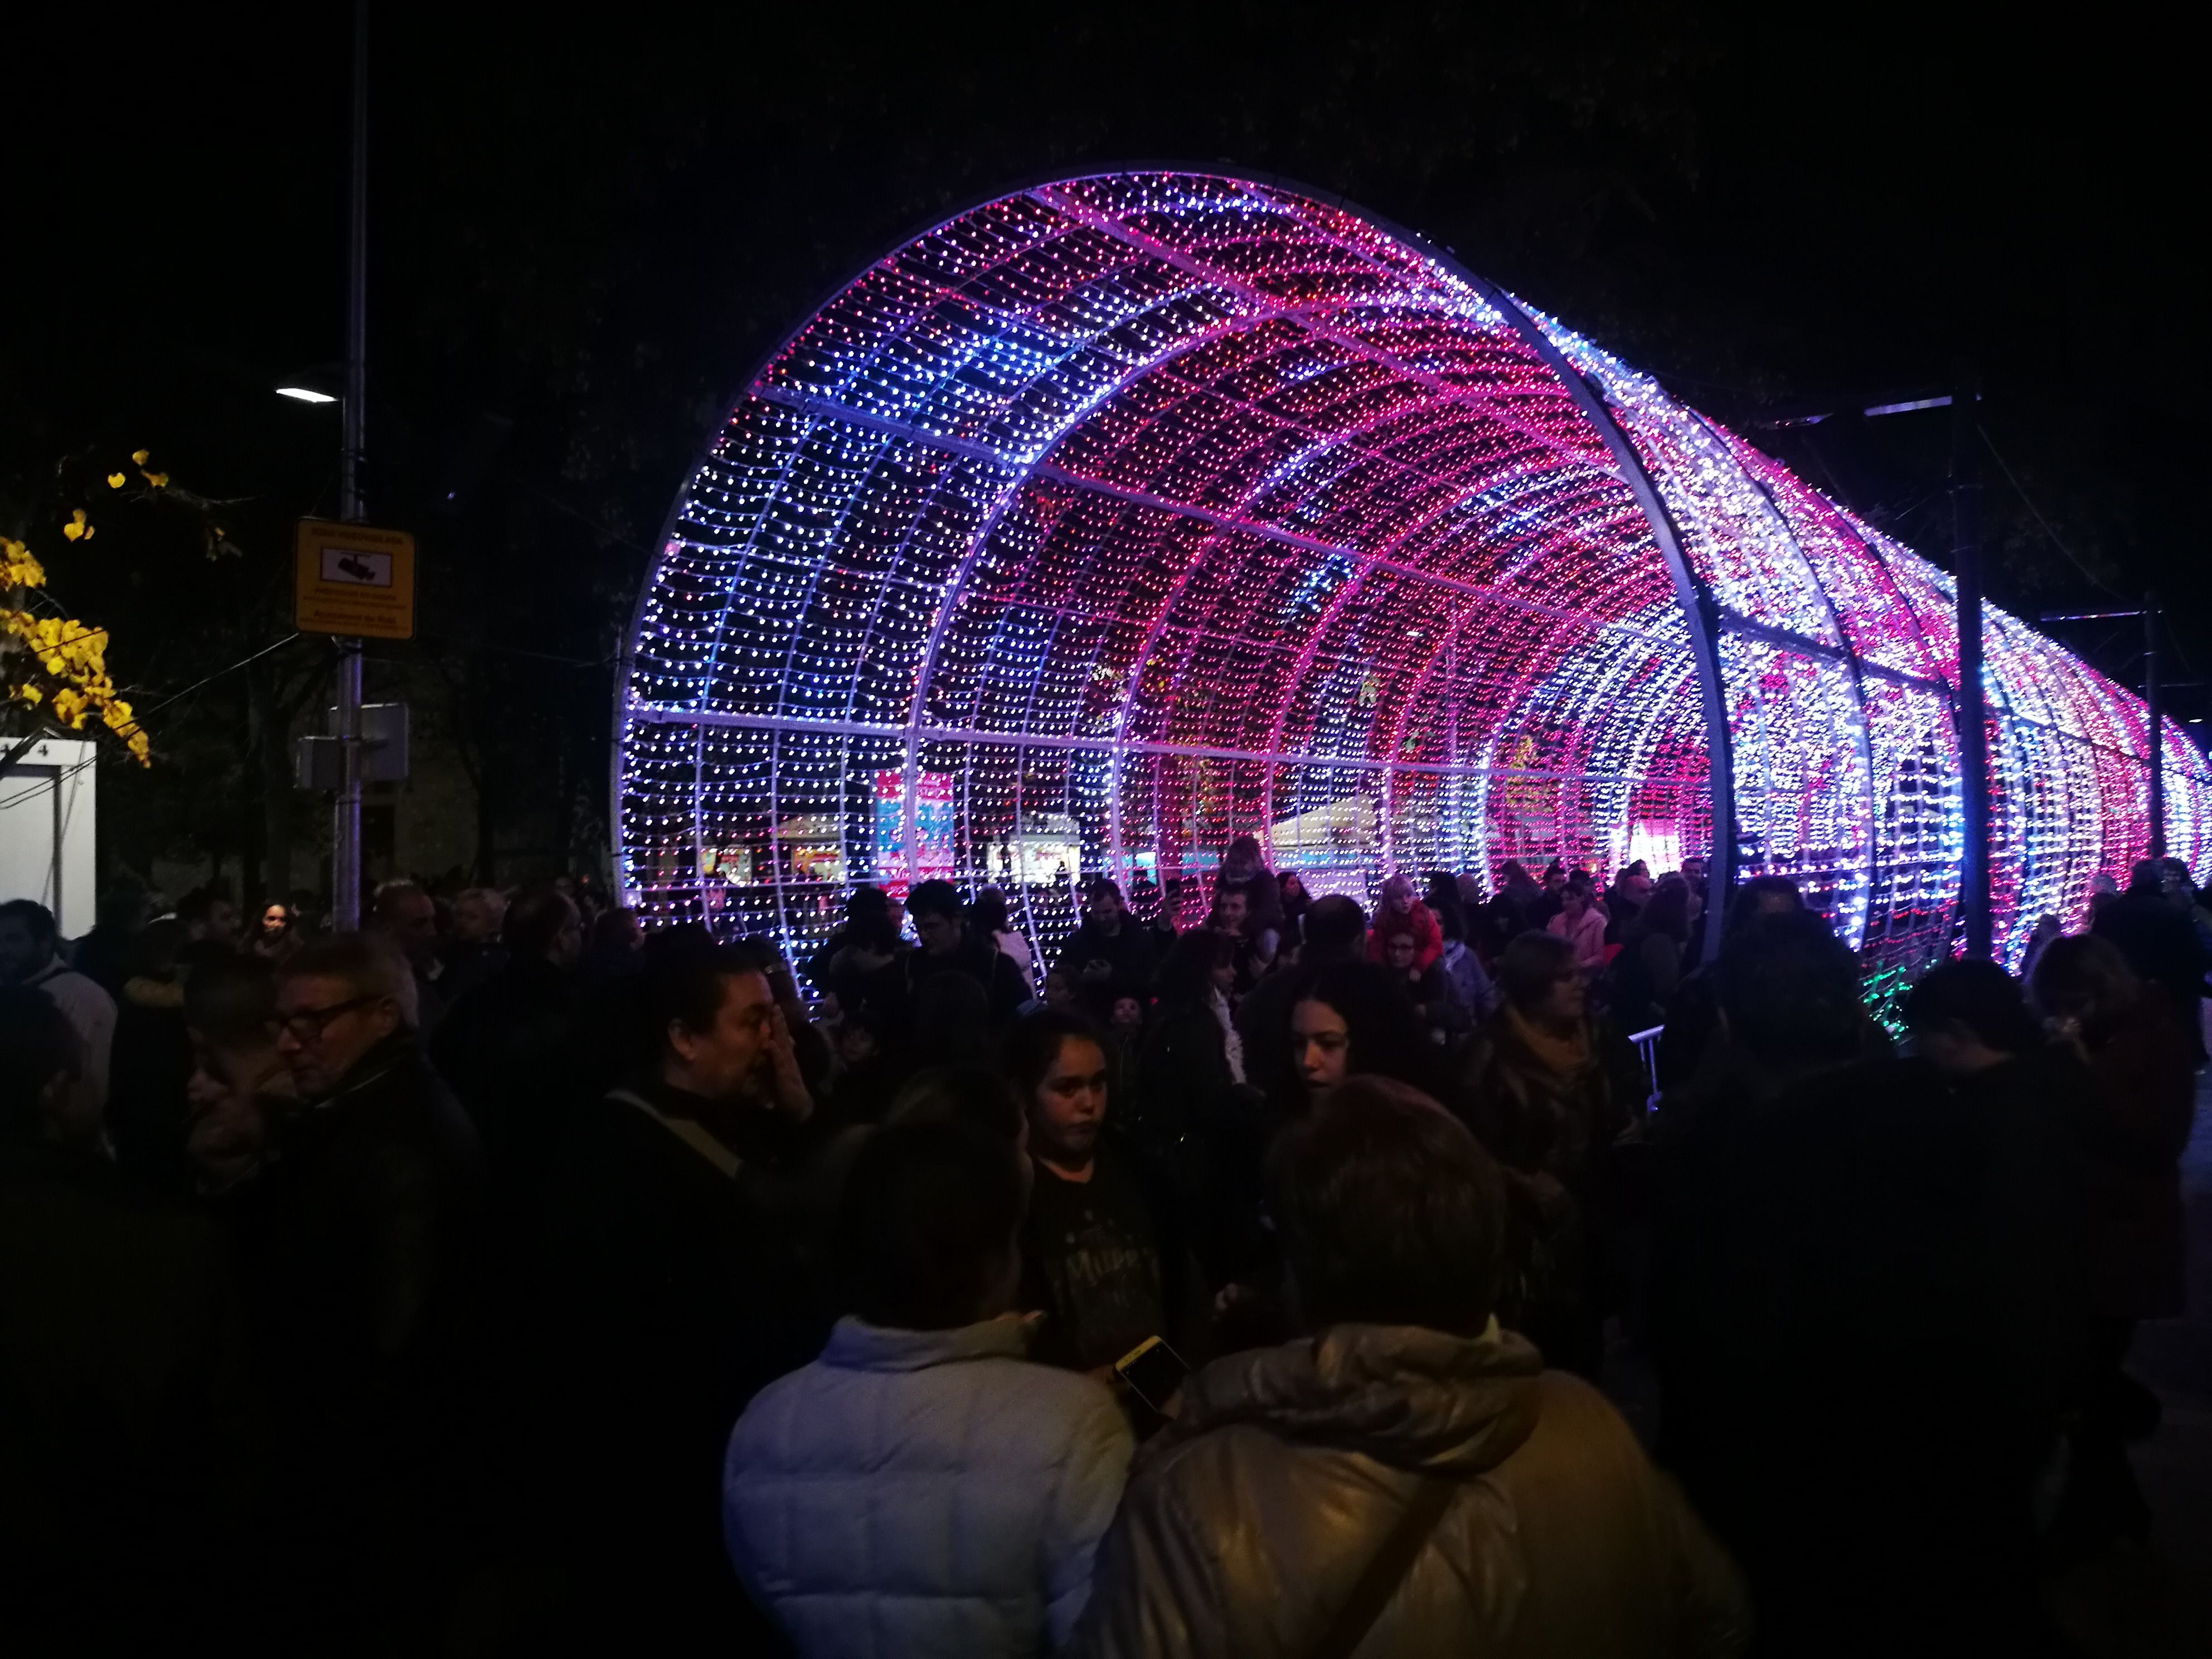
pixel 362 1241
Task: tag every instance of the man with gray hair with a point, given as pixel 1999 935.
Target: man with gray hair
pixel 364 1248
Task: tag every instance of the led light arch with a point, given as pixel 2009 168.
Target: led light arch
pixel 1120 516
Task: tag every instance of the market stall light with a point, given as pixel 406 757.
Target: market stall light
pixel 305 394
pixel 1120 516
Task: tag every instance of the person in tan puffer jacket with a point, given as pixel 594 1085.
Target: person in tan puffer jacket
pixel 1253 1522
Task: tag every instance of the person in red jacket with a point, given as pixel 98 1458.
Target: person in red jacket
pixel 1401 913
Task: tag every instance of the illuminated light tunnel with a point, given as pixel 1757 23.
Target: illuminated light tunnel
pixel 1116 517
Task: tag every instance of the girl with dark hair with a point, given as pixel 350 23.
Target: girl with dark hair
pixel 278 935
pixel 1353 1019
pixel 1093 1258
pixel 1193 984
pixel 994 922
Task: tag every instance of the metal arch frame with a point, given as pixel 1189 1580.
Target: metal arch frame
pixel 1845 523
pixel 1700 615
pixel 1871 870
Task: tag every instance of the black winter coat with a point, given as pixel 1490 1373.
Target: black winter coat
pixel 669 1304
pixel 2161 943
pixel 363 1248
pixel 127 1450
pixel 1128 956
pixel 510 1050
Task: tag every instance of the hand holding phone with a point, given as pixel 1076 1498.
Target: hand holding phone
pixel 1153 1372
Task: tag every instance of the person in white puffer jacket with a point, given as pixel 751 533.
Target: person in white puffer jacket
pixel 922 1488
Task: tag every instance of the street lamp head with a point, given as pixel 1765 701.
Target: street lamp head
pixel 305 394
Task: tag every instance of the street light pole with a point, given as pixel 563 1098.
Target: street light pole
pixel 345 829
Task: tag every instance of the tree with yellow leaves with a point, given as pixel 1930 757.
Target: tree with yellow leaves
pixel 53 670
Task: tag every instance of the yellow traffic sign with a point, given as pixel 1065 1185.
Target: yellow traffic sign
pixel 355 580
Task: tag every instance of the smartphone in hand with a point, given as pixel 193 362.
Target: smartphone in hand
pixel 1153 1371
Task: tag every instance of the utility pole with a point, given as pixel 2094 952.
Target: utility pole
pixel 345 827
pixel 1973 727
pixel 2157 726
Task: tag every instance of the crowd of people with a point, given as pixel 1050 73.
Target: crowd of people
pixel 1246 1276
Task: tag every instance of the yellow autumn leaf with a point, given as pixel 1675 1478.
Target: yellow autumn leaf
pixel 159 480
pixel 76 527
pixel 115 481
pixel 142 456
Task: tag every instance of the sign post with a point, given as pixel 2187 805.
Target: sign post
pixel 354 581
pixel 345 817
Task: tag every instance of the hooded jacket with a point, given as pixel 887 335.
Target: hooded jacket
pixel 1248 1522
pixel 916 1493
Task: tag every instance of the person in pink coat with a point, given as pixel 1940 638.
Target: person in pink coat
pixel 1581 924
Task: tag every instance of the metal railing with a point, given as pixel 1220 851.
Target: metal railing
pixel 1647 1051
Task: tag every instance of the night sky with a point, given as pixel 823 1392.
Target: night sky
pixel 585 238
